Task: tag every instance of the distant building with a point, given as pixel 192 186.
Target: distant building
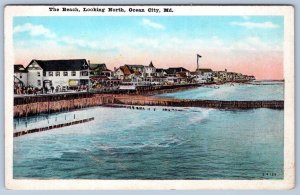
pixel 123 73
pixel 136 72
pixel 175 70
pixel 204 75
pixel 160 72
pixel 20 75
pixel 97 69
pixel 58 73
pixel 149 70
pixel 101 76
pixel 177 75
pixel 220 76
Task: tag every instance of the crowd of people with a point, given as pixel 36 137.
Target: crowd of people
pixel 29 90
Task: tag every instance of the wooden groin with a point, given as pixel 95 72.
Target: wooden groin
pixel 51 103
pixel 35 130
pixel 217 104
pixel 46 104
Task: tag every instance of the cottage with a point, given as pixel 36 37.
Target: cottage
pixel 205 75
pixel 58 73
pixel 150 70
pixel 177 75
pixel 220 76
pixel 20 75
pixel 175 70
pixel 123 72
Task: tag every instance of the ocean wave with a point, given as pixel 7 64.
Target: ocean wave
pixel 204 115
pixel 168 142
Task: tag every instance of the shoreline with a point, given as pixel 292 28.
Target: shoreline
pixel 25 106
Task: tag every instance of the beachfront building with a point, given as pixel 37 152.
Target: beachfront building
pixel 177 75
pixel 160 72
pixel 101 76
pixel 136 73
pixel 20 75
pixel 224 76
pixel 150 70
pixel 204 75
pixel 123 73
pixel 58 74
pixel 220 76
pixel 97 69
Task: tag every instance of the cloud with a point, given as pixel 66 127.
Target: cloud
pixel 217 41
pixel 151 24
pixel 34 30
pixel 246 17
pixel 254 43
pixel 78 42
pixel 147 42
pixel 255 24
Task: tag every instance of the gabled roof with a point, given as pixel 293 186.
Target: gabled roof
pixel 176 70
pixel 62 65
pixel 19 68
pixel 126 70
pixel 151 64
pixel 131 66
pixel 101 66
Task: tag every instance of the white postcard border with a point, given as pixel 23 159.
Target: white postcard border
pixel 289 124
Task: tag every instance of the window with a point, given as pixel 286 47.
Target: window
pixel 84 73
pixel 57 73
pixel 65 73
pixel 73 73
pixel 50 74
pixel 39 82
pixel 38 74
pixel 20 75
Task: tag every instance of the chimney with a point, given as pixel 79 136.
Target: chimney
pixel 115 68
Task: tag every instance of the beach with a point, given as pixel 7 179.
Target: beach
pixel 158 142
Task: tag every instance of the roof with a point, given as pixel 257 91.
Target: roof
pixel 98 66
pixel 160 70
pixel 182 74
pixel 62 65
pixel 176 70
pixel 204 69
pixel 195 73
pixel 151 64
pixel 19 68
pixel 126 70
pixel 134 66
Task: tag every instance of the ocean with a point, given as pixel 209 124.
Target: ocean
pixel 184 143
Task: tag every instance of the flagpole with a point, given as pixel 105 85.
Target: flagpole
pixel 197 63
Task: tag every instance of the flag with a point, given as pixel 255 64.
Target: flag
pixel 198 56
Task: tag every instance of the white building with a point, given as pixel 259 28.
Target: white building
pixel 58 73
pixel 149 70
pixel 205 75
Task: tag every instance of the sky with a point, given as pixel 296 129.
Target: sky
pixel 251 45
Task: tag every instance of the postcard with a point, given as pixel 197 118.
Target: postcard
pixel 149 97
